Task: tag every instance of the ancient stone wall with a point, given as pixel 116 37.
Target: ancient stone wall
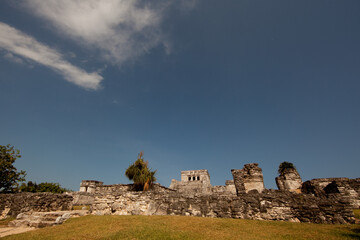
pixel 347 188
pixel 198 182
pixel 16 203
pixel 249 178
pixel 321 200
pixel 230 187
pixel 289 180
pixel 82 198
pixel 89 185
pixel 268 205
pixel 196 175
pixel 193 182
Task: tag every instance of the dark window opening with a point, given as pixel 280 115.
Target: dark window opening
pixel 189 178
pixel 198 178
pixel 193 178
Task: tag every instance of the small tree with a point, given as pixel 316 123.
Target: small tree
pixel 9 177
pixel 285 165
pixel 140 174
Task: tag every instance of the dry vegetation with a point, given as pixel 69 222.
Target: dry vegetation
pixel 357 213
pixel 181 227
pixel 81 207
pixel 5 222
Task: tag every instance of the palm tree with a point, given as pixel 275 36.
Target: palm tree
pixel 284 166
pixel 140 174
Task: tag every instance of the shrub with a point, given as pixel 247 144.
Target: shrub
pixel 42 187
pixel 140 174
pixel 285 165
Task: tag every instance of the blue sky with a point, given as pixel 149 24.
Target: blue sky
pixel 86 85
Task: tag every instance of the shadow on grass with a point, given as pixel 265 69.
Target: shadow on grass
pixel 355 233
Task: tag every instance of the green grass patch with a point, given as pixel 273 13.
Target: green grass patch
pixel 357 213
pixel 181 227
pixel 80 207
pixel 5 222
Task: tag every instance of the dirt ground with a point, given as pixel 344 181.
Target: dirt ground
pixel 5 231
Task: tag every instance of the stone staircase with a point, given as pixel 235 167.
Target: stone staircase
pixel 45 219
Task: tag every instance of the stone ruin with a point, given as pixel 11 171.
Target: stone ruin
pixel 326 200
pixel 198 182
pixel 250 178
pixel 89 186
pixel 317 201
pixel 289 180
pixel 349 189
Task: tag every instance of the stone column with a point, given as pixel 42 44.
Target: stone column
pixel 249 178
pixel 289 180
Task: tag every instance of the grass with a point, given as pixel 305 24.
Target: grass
pixel 80 207
pixel 182 227
pixel 5 222
pixel 357 213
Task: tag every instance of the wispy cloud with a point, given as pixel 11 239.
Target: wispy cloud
pixel 122 30
pixel 21 44
pixel 13 58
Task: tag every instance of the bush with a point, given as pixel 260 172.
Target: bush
pixel 42 187
pixel 285 165
pixel 140 174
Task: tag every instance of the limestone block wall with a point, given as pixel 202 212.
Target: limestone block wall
pixel 228 189
pixel 89 185
pixel 195 175
pixel 249 178
pixel 347 188
pixel 191 188
pixel 192 182
pixel 17 203
pixel 82 198
pixel 289 180
pixel 230 186
pixel 268 205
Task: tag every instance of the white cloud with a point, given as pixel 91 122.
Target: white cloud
pixel 13 58
pixel 19 43
pixel 122 29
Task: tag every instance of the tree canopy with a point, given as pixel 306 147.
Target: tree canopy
pixel 285 165
pixel 9 176
pixel 140 174
pixel 42 187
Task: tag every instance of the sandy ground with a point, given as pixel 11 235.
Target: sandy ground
pixel 5 231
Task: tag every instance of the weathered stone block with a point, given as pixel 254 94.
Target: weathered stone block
pixel 289 180
pixel 249 178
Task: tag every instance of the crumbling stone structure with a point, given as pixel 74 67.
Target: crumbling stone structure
pixel 16 203
pixel 249 178
pixel 321 201
pixel 289 180
pixel 268 205
pixel 89 185
pixel 198 182
pixel 328 200
pixel 193 181
pixel 349 189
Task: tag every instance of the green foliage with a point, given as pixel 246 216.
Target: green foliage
pixel 285 165
pixel 357 213
pixel 9 176
pixel 80 207
pixel 140 174
pixel 42 187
